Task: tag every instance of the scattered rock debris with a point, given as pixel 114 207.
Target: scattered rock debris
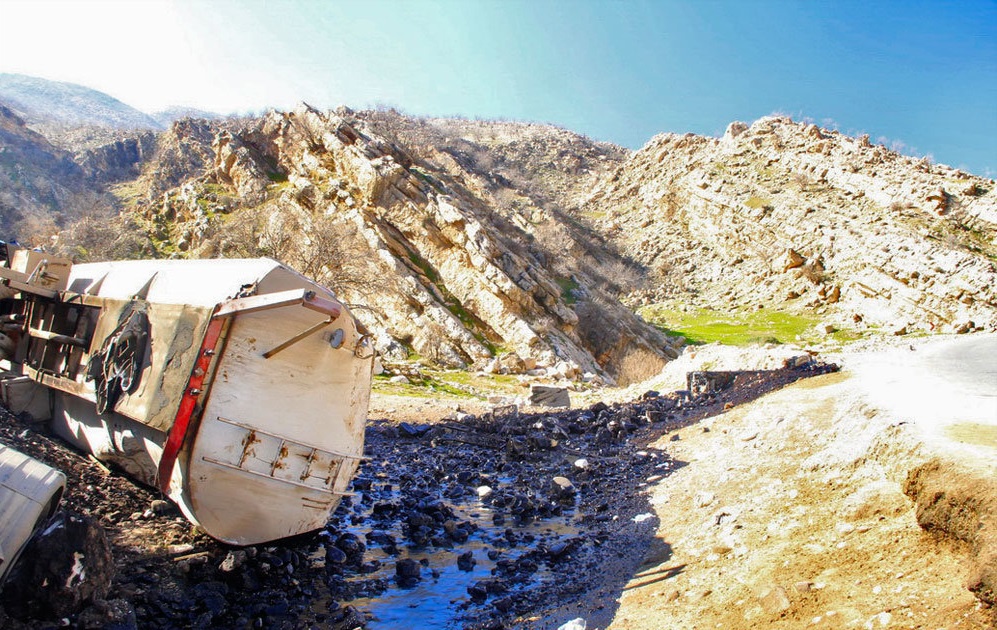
pixel 516 520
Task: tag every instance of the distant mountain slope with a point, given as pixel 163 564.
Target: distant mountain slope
pixel 168 116
pixel 38 182
pixel 40 101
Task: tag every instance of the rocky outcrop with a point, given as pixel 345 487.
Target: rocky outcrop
pixel 464 240
pixel 457 281
pixel 119 160
pixel 795 217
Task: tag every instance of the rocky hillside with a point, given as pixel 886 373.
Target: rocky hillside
pixel 45 188
pixel 791 216
pixel 441 255
pixel 509 245
pixel 37 181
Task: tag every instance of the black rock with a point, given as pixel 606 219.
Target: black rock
pixel 407 569
pixel 478 592
pixel 353 547
pixel 65 565
pixel 504 604
pixel 465 561
pixel 349 618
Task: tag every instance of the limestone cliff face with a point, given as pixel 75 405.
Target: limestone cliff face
pixel 789 215
pixel 119 160
pixel 458 280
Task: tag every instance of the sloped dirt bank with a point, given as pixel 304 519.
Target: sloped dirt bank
pixel 957 503
pixel 791 513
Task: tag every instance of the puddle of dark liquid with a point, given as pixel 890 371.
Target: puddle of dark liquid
pixel 442 593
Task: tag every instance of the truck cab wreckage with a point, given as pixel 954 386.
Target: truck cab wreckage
pixel 239 388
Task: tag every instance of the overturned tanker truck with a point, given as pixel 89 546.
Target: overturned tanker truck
pixel 239 388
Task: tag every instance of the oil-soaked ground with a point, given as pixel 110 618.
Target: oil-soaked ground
pixel 507 520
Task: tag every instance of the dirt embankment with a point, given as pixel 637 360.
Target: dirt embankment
pixel 812 508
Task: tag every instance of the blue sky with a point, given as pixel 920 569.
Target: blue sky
pixel 916 75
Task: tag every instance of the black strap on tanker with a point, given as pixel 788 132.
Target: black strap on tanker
pixel 117 368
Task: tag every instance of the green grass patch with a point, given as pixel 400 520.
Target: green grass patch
pixel 450 384
pixel 424 266
pixel 700 325
pixel 568 285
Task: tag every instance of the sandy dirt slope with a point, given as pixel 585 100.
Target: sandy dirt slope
pixel 792 514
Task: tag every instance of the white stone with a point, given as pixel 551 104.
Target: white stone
pixel 703 499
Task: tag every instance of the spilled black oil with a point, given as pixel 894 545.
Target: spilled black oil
pixel 449 570
pixel 439 597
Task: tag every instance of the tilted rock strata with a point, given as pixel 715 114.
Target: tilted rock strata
pixel 464 280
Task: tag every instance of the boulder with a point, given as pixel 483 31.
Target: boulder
pixel 513 363
pixel 792 259
pixel 561 489
pixel 66 565
pixel 546 396
pixel 735 129
pixel 408 572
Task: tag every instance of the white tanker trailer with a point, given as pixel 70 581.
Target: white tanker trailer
pixel 239 388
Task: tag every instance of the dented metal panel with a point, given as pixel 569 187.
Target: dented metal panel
pixel 29 493
pixel 174 332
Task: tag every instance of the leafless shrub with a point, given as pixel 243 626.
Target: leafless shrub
pixel 638 365
pixel 100 233
pixel 435 346
pixel 328 249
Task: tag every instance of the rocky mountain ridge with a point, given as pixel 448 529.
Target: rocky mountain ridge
pixel 72 117
pixel 506 245
pixel 413 240
pixel 788 215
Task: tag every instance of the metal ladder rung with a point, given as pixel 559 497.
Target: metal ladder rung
pixel 281 453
